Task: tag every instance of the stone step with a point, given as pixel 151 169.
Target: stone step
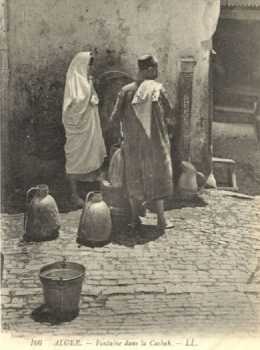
pixel 224 172
pixel 235 114
pixel 234 109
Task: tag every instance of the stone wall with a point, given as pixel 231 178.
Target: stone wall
pixel 4 75
pixel 45 35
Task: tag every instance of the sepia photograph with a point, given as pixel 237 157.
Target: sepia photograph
pixel 130 174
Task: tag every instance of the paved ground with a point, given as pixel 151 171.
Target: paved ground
pixel 202 276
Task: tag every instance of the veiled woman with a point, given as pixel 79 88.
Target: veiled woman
pixel 84 148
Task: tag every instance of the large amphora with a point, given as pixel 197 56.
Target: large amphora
pixel 41 219
pixel 187 185
pixel 95 221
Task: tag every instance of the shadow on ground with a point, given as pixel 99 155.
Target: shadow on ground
pixel 142 235
pixel 176 202
pixel 44 314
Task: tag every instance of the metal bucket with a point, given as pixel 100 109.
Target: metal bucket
pixel 62 283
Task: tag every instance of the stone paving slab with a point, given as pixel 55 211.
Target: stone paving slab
pixel 203 275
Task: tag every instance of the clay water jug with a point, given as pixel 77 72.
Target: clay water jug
pixel 95 221
pixel 41 219
pixel 187 184
pixel 117 200
pixel 116 169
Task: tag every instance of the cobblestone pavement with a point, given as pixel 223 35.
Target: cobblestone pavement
pixel 202 275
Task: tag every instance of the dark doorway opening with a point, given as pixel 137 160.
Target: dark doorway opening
pixel 236 92
pixel 236 67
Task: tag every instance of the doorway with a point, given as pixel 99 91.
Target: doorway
pixel 236 67
pixel 236 93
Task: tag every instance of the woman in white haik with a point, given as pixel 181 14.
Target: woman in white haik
pixel 84 148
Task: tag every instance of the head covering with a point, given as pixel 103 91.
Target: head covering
pixel 146 61
pixel 78 86
pixel 147 93
pixel 84 147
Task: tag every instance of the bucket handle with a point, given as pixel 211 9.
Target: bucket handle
pixel 90 195
pixel 29 191
pixel 63 264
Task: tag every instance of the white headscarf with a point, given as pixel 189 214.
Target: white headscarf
pixel 147 93
pixel 79 88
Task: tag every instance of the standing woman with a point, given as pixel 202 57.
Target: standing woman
pixel 84 148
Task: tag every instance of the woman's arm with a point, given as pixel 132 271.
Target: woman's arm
pixel 117 112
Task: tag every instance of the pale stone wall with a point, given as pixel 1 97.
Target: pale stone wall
pixel 4 75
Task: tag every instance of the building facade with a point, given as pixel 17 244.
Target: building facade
pixel 41 37
pixel 236 132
